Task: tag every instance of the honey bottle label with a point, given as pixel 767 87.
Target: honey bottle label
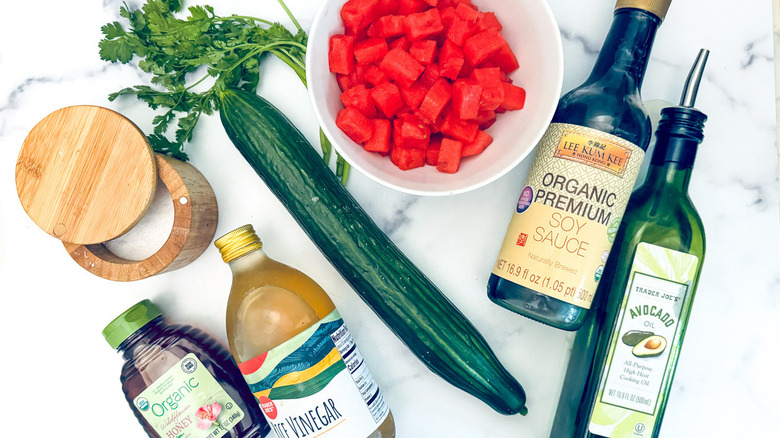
pixel 568 213
pixel 188 402
pixel 317 384
pixel 646 336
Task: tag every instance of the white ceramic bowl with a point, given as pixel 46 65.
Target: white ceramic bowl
pixel 532 32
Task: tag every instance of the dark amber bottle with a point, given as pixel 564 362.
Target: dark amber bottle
pixel 179 381
pixel 584 170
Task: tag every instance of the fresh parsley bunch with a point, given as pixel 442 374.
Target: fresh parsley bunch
pixel 227 50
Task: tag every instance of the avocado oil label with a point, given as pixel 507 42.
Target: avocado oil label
pixel 317 384
pixel 646 336
pixel 559 238
pixel 187 402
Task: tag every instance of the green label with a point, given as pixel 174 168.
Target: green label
pixel 188 402
pixel 645 338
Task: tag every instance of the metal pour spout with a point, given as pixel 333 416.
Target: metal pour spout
pixel 691 88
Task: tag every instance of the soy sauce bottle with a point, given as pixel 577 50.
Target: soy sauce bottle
pixel 179 381
pixel 585 167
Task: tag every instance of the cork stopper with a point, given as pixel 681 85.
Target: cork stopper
pixel 655 7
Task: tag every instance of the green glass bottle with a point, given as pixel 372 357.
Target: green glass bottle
pixel 635 333
pixel 585 167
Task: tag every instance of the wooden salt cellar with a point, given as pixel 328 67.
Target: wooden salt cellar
pixel 86 175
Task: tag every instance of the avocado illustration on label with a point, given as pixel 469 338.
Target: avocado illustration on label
pixel 633 337
pixel 650 347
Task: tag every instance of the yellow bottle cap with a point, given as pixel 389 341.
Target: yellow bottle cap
pixel 237 243
pixel 656 7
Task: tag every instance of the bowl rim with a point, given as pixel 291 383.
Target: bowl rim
pixel 558 86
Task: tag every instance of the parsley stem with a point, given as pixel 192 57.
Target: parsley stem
pixel 289 14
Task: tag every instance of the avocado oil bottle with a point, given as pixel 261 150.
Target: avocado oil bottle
pixel 585 167
pixel 649 287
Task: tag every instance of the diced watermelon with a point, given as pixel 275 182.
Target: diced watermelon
pixel 415 131
pixel 432 151
pixel 431 74
pixel 358 14
pixel 481 141
pixel 447 15
pixel 380 137
pixel 454 127
pixel 481 46
pixel 485 119
pixel 388 7
pixel 407 158
pixel 423 24
pixel 465 98
pixel 438 69
pixel 514 97
pixel 492 87
pixel 399 65
pixel 460 30
pixel 413 95
pixel 401 42
pixel 424 51
pixel 488 20
pixel 406 7
pixel 387 98
pixel 370 50
pixel 505 59
pixel 414 141
pixel 435 100
pixel 387 26
pixel 345 82
pixel 449 155
pixel 340 54
pixel 467 12
pixel 450 60
pixel 359 97
pixel 357 126
pixel 375 75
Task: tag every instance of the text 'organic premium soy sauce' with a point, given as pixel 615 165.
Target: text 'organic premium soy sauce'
pixel 559 238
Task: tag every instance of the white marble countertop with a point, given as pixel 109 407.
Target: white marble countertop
pixel 58 377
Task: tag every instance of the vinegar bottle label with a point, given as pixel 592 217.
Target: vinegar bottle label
pixel 567 216
pixel 646 337
pixel 317 384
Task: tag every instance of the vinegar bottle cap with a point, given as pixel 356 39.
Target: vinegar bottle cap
pixel 237 243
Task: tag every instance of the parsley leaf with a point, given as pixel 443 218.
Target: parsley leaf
pixel 181 54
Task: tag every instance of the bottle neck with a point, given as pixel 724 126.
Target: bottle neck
pixel 134 345
pixel 626 49
pixel 669 177
pixel 247 261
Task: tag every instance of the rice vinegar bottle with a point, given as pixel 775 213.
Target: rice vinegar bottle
pixel 294 350
pixel 558 240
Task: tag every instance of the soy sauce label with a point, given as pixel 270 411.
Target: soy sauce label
pixel 317 384
pixel 646 337
pixel 579 184
pixel 188 402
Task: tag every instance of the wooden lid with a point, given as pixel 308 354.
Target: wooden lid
pixel 86 174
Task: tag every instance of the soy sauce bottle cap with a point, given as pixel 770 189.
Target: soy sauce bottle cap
pixel 129 322
pixel 655 7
